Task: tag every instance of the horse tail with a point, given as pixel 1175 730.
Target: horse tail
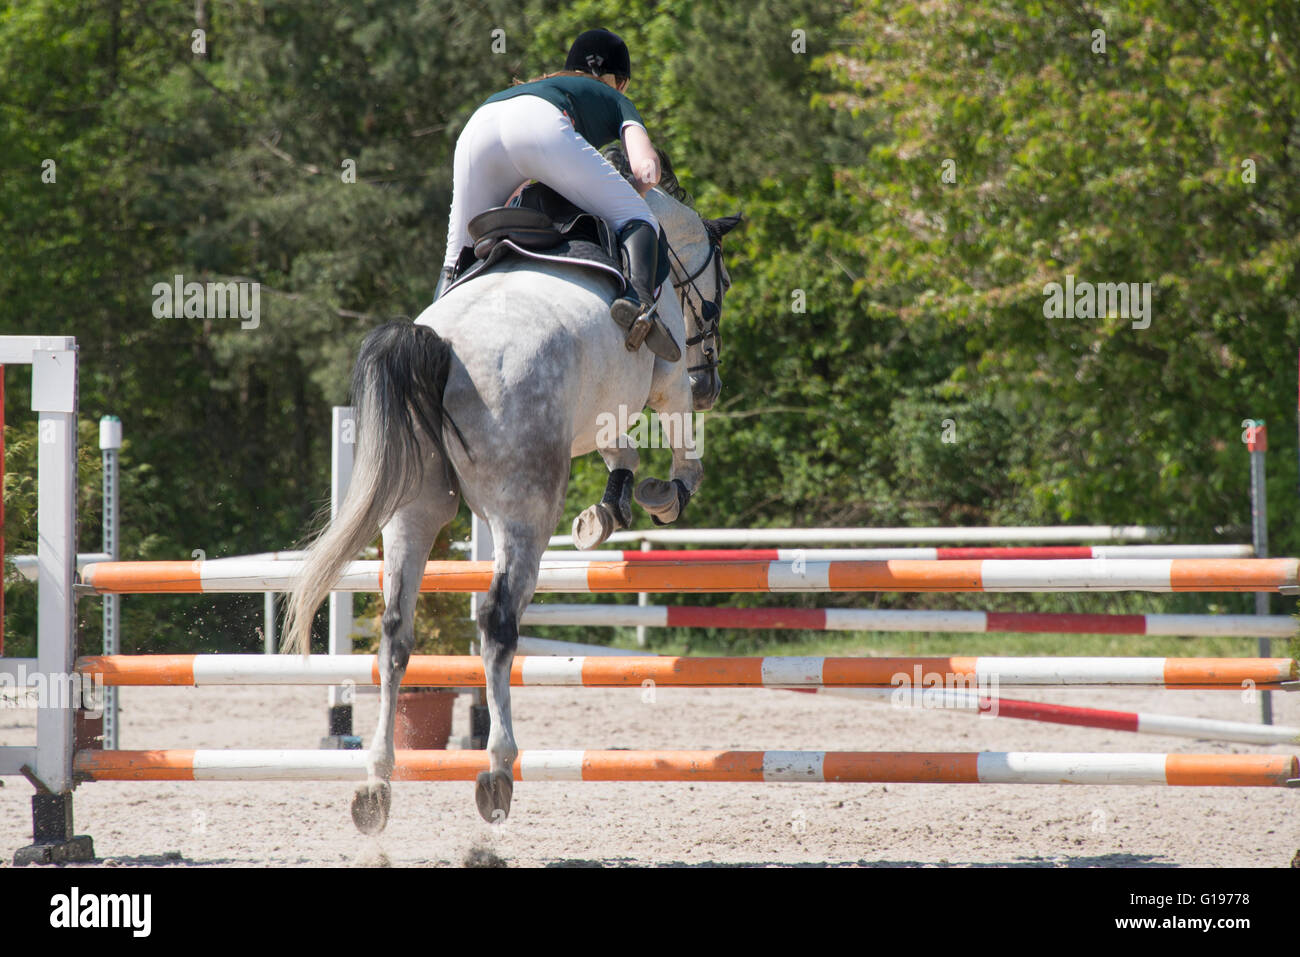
pixel 397 387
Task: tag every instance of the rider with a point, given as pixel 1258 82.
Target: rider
pixel 550 130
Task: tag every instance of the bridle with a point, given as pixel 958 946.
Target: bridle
pixel 710 311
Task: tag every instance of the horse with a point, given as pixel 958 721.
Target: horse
pixel 487 397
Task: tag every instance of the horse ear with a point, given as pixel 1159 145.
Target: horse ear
pixel 720 227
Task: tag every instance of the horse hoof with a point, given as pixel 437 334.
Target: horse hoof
pixel 370 807
pixel 595 524
pixel 659 498
pixel 492 793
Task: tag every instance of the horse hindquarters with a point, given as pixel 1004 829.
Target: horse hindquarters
pixel 397 386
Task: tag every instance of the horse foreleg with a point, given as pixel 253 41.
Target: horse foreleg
pixel 596 523
pixel 666 500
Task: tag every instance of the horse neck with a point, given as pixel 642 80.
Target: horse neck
pixel 686 235
pixel 682 225
pixel 690 245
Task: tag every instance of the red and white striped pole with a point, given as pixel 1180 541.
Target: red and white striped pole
pixel 905 620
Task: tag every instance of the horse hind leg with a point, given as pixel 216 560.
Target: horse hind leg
pixel 518 555
pixel 408 538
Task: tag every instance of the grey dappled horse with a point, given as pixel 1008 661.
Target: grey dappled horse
pixel 488 396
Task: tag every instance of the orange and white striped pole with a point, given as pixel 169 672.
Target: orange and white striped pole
pixel 996 705
pixel 595 671
pixel 1155 575
pixel 863 767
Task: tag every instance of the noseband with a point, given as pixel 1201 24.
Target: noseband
pixel 710 311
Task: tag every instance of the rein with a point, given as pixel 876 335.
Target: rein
pixel 710 311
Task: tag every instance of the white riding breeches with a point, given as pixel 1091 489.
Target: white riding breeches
pixel 509 142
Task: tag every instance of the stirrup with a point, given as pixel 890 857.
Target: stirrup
pixel 640 328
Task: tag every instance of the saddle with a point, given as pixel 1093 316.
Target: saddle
pixel 541 224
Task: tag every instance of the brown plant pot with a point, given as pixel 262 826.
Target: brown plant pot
pixel 88 732
pixel 423 719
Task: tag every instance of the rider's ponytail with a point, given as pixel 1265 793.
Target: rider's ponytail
pixel 547 76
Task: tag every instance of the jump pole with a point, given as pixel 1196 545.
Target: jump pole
pixel 892 620
pixel 765 767
pixel 1138 722
pixel 885 536
pixel 599 671
pixel 1045 553
pixel 1155 575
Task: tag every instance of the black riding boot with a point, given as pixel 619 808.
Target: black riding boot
pixel 443 280
pixel 635 311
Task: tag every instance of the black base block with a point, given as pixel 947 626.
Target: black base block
pixel 52 839
pixel 341 720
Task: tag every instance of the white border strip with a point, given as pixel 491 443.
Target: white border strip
pixel 1077 574
pixel 1070 671
pixel 283 669
pixel 1020 767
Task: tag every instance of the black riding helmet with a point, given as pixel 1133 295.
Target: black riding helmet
pixel 599 51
